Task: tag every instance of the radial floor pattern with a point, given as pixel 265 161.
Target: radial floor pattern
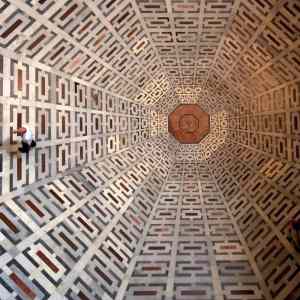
pixel 108 205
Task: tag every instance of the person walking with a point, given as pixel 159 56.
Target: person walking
pixel 27 139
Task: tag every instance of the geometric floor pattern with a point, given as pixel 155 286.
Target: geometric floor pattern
pixel 192 248
pixel 76 236
pixel 135 225
pixel 73 123
pixel 107 206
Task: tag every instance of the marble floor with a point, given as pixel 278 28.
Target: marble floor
pixel 108 206
pixel 140 224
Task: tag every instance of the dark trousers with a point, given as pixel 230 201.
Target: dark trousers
pixel 25 148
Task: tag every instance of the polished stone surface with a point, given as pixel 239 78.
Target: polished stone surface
pixel 108 206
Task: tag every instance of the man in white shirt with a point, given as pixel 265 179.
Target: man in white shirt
pixel 27 139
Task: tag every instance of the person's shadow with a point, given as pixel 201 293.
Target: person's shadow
pixel 8 147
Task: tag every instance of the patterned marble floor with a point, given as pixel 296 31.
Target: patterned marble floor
pixel 132 226
pixel 192 248
pixel 141 224
pixel 102 208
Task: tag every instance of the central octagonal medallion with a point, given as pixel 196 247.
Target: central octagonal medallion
pixel 188 123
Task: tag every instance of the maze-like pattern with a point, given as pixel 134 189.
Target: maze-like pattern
pixel 90 221
pixel 101 208
pixel 187 35
pixel 144 50
pixel 73 123
pixel 259 52
pixel 191 249
pixel 263 196
pixel 269 123
pixel 96 41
